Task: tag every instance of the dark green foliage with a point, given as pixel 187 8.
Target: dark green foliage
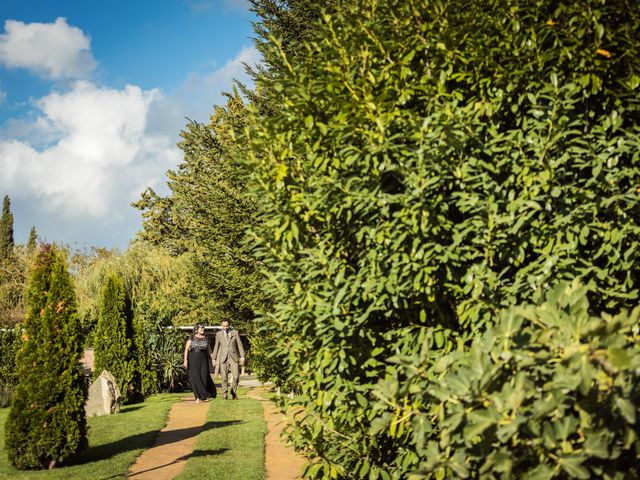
pixel 113 346
pixel 33 238
pixel 430 164
pixel 6 229
pixel 166 346
pixel 267 363
pixel 46 424
pixel 160 225
pixel 10 343
pixel 205 219
pixel 145 378
pixel 549 392
pixel 292 23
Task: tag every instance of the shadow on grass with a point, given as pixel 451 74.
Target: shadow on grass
pixel 198 453
pixel 226 423
pixel 130 408
pixel 146 440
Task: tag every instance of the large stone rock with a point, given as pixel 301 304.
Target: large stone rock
pixel 104 396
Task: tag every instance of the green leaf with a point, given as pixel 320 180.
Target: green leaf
pixel 541 472
pixel 572 464
pixel 619 358
pixel 478 422
pixel 627 409
pixel 596 444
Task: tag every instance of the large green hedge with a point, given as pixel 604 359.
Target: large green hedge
pixel 46 424
pixel 549 392
pixel 429 164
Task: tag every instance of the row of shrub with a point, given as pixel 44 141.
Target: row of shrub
pixel 420 167
pixel 40 371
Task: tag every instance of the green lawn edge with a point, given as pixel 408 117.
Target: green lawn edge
pixel 115 441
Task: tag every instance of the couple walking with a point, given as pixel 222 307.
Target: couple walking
pixel 200 361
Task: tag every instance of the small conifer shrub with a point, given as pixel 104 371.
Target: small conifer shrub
pixel 46 424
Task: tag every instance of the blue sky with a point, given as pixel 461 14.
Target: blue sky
pixel 92 99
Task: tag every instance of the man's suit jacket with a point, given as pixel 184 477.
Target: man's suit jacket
pixel 228 347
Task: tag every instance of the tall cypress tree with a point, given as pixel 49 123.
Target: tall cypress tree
pixel 33 239
pixel 113 346
pixel 6 229
pixel 46 424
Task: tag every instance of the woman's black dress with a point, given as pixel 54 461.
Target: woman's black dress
pixel 199 369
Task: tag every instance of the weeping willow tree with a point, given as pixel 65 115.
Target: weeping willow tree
pixel 154 283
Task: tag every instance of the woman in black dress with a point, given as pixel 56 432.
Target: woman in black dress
pixel 197 361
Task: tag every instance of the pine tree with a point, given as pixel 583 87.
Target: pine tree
pixel 6 229
pixel 46 424
pixel 33 239
pixel 113 346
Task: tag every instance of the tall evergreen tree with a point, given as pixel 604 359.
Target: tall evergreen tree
pixel 113 346
pixel 206 218
pixel 6 229
pixel 46 424
pixel 33 239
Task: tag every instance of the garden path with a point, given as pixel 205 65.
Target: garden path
pixel 175 442
pixel 281 461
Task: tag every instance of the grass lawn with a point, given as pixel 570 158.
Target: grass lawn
pixel 231 446
pixel 114 443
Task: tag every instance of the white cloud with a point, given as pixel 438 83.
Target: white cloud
pixel 76 162
pixel 102 159
pixel 52 50
pixel 3 96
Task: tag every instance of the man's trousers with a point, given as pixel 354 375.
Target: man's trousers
pixel 225 368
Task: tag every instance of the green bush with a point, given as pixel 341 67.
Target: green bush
pixel 166 347
pixel 113 345
pixel 549 392
pixel 143 361
pixel 10 343
pixel 428 165
pixel 46 424
pixel 266 362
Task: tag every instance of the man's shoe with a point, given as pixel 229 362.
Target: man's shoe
pixel 224 397
pixel 234 396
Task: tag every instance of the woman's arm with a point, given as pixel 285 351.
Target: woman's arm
pixel 186 353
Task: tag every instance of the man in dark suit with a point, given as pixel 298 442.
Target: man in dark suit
pixel 228 355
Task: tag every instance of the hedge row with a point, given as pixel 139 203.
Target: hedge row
pixel 425 166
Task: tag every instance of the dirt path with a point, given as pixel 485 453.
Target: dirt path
pixel 281 461
pixel 175 442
